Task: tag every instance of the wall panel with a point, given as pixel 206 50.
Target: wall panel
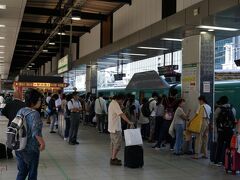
pixel 90 42
pixel 139 15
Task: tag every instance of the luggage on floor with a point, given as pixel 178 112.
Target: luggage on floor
pixel 232 161
pixel 133 156
pixel 3 152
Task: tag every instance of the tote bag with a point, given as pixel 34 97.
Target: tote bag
pixel 133 137
pixel 195 124
pixel 171 130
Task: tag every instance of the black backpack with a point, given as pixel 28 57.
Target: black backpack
pixel 146 110
pixel 225 118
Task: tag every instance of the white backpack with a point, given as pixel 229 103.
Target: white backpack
pixel 17 132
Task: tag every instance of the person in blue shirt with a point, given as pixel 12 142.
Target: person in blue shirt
pixel 28 159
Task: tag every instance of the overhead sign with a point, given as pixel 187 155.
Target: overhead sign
pixel 167 70
pixel 63 65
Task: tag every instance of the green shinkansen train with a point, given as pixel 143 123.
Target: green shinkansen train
pixel 230 88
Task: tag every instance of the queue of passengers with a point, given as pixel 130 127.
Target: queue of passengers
pixel 163 111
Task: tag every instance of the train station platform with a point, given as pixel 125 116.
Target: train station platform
pixel 90 161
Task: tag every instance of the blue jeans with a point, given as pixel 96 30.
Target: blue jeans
pixel 179 138
pixel 27 163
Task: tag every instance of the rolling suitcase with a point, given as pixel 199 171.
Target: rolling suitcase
pixel 232 161
pixel 133 156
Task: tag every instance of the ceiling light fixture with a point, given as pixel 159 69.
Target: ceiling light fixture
pixel 112 63
pixel 172 39
pixel 2 52
pixel 1 37
pixel 217 28
pixel 32 63
pixel 52 43
pixel 3 6
pixel 76 18
pixel 133 54
pixel 153 48
pixel 2 46
pixel 45 51
pixel 120 59
pixel 62 33
pixel 211 30
pixel 2 26
pixel 1 57
pixel 203 32
pixel 29 66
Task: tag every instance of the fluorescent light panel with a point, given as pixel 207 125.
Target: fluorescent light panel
pixel 133 54
pixel 45 50
pixel 75 18
pixel 217 28
pixel 1 57
pixel 52 43
pixel 105 63
pixel 172 39
pixel 1 37
pixel 1 46
pixel 2 52
pixel 3 6
pixel 61 33
pixel 153 48
pixel 2 26
pixel 120 59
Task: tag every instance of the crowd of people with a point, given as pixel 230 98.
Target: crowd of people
pixel 155 116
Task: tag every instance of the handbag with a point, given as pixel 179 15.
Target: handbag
pixel 195 125
pixel 171 129
pixel 133 137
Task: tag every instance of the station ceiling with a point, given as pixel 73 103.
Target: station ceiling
pixel 229 18
pixel 41 17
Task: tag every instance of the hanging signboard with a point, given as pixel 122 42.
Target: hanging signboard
pixel 63 65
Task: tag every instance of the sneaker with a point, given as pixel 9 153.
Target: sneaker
pixel 76 142
pixel 119 160
pixel 65 139
pixel 115 162
pixel 52 132
pixel 157 148
pixel 71 143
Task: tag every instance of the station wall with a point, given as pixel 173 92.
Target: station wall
pixel 139 15
pixel 90 42
pixel 183 4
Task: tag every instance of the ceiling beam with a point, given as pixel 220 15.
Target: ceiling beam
pixel 51 26
pixel 54 48
pixel 119 1
pixel 27 42
pixel 54 12
pixel 37 36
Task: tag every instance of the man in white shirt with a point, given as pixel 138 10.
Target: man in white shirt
pixel 202 137
pixel 115 128
pixel 101 111
pixel 75 108
pixel 152 118
pixel 48 97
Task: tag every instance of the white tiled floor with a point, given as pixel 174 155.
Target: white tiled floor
pixel 90 161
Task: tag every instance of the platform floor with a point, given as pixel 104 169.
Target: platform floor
pixel 90 161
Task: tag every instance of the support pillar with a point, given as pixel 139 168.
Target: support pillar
pixel 198 69
pixel 91 79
